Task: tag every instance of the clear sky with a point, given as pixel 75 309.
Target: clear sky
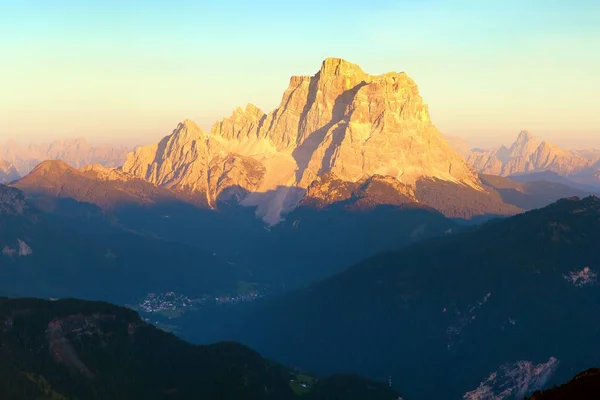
pixel 130 70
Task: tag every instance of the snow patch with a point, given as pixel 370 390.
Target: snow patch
pixel 582 277
pixel 24 249
pixel 514 381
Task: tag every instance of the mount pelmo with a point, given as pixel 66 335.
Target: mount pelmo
pixel 341 121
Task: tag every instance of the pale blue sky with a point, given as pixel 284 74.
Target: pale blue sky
pixel 133 69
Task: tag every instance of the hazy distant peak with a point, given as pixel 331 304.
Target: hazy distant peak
pixel 528 154
pixel 75 151
pixel 524 136
pixel 525 145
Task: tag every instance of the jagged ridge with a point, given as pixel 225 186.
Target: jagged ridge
pixel 340 120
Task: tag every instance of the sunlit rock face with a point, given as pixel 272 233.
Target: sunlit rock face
pixel 341 121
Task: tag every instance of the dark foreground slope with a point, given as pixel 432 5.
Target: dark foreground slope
pixel 73 349
pixel 584 386
pixel 510 305
pixel 41 257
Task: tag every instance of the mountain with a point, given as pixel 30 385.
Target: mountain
pixel 40 256
pixel 77 152
pixel 451 199
pixel 553 177
pixel 527 154
pixel 340 121
pixel 584 386
pixel 105 188
pixel 8 172
pixel 501 309
pixel 375 219
pixel 72 349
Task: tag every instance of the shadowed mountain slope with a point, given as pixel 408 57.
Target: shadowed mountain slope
pixel 41 257
pixel 508 298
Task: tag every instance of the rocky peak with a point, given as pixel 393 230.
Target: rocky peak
pixel 340 67
pixel 243 123
pixel 251 109
pixel 527 154
pixel 524 136
pixel 525 145
pixel 188 130
pixel 341 121
pixel 328 189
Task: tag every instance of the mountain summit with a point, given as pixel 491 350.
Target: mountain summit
pixel 526 155
pixel 340 120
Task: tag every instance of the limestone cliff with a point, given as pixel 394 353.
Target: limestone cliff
pixel 192 160
pixel 341 121
pixel 345 121
pixel 366 193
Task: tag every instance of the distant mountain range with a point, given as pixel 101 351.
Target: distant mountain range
pixel 528 154
pixel 76 152
pixel 72 349
pixel 504 308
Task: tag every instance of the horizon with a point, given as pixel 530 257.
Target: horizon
pixel 69 76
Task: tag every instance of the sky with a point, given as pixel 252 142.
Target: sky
pixel 129 71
